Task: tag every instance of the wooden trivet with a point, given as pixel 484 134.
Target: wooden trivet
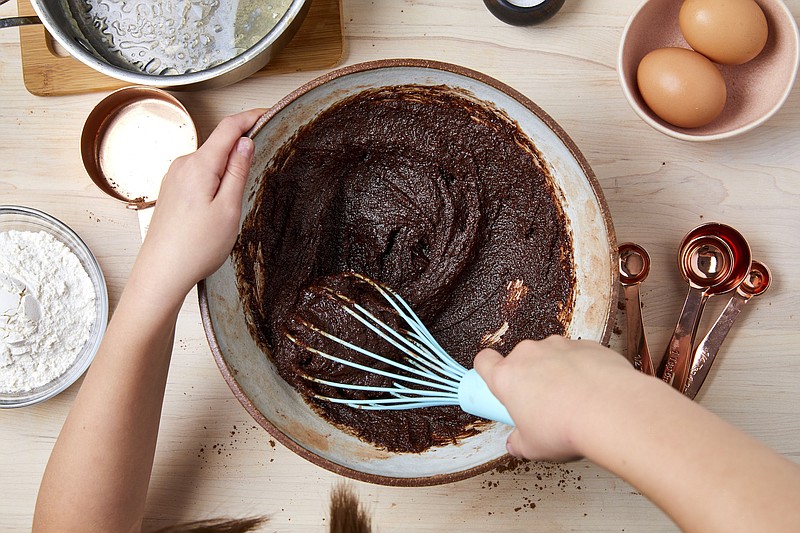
pixel 317 45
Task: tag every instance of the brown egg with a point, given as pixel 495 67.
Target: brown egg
pixel 730 32
pixel 681 86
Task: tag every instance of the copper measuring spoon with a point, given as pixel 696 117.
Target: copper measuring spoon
pixel 634 266
pixel 714 258
pixel 756 282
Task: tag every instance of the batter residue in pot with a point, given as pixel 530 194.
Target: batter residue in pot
pixel 431 192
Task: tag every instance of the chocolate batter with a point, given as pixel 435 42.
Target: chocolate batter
pixel 436 195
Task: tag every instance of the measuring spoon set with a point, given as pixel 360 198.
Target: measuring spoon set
pixel 714 259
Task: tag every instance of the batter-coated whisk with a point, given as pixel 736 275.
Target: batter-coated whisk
pixel 427 376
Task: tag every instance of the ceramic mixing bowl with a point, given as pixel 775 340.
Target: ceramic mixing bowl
pixel 756 89
pixel 278 407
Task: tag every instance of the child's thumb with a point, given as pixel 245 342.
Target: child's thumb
pixel 234 179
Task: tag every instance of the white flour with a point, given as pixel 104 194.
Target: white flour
pixel 47 309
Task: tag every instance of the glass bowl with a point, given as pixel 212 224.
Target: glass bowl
pixel 27 219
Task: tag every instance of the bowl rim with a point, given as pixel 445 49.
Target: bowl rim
pixel 102 297
pixel 605 214
pixel 629 94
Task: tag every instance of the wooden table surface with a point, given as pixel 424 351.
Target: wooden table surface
pixel 213 461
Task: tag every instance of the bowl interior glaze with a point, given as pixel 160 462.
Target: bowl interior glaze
pixel 278 407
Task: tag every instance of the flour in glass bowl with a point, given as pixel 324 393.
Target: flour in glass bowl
pixel 47 309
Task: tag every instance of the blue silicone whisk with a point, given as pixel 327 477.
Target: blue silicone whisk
pixel 427 376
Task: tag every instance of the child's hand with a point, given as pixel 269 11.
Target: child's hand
pixel 196 218
pixel 549 387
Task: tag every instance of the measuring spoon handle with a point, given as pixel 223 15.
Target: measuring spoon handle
pixel 674 366
pixel 707 349
pixel 637 349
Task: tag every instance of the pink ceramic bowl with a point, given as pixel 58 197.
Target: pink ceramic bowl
pixel 756 89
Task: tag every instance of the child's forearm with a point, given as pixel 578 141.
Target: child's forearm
pixel 97 476
pixel 112 427
pixel 703 472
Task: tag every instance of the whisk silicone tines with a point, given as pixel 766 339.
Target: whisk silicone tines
pixel 427 376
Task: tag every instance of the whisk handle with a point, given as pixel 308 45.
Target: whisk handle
pixel 475 398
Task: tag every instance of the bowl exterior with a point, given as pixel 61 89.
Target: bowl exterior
pixel 278 407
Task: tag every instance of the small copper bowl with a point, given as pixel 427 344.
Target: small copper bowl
pixel 130 139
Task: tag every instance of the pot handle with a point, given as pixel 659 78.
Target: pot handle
pixel 18 21
pixel 11 22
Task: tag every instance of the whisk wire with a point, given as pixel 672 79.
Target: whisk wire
pixel 427 359
pixel 411 318
pixel 444 385
pixel 377 322
pixel 418 353
pixel 420 333
pixel 386 403
pixel 398 391
pixel 433 358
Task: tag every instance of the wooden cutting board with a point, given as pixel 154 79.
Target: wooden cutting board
pixel 318 44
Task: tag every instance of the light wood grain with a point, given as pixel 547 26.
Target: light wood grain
pixel 318 44
pixel 657 189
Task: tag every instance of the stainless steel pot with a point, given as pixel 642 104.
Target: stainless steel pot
pixel 96 47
